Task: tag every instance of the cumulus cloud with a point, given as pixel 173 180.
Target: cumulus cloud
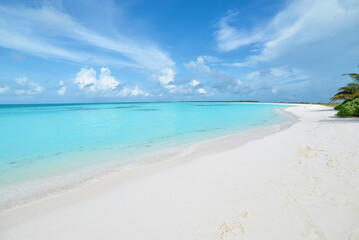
pixel 198 66
pixel 166 78
pixel 184 86
pixel 138 92
pixel 86 79
pixel 27 87
pixel 135 92
pixel 187 88
pixel 4 89
pixel 62 88
pixel 194 82
pixel 105 84
pixel 201 90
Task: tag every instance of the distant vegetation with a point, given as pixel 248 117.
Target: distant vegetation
pixel 330 104
pixel 349 94
pixel 243 101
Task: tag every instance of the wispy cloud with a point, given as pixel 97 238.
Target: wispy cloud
pixel 51 33
pixel 211 59
pixel 230 38
pixel 277 80
pixel 27 87
pixel 277 72
pixel 219 80
pixel 300 22
pixel 4 89
pixel 235 64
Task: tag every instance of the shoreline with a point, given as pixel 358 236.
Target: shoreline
pixel 168 156
pixel 298 183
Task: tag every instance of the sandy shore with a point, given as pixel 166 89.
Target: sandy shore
pixel 298 183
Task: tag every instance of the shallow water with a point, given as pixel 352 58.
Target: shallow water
pixel 38 141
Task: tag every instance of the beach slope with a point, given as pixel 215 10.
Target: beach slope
pixel 298 183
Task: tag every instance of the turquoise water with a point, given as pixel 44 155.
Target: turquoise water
pixel 37 141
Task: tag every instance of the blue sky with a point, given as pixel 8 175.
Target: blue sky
pixel 112 51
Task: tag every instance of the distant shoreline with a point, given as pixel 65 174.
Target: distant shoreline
pixel 224 101
pixel 29 104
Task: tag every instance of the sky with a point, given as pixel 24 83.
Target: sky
pixel 73 51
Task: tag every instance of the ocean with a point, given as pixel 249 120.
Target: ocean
pixel 40 145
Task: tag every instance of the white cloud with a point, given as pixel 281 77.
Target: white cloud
pixel 198 66
pixel 304 21
pixel 236 64
pixel 211 59
pixel 106 81
pixel 230 38
pixel 194 83
pixel 62 88
pixel 21 80
pixel 183 87
pixel 135 92
pixel 166 78
pixel 51 33
pixel 201 90
pixel 300 22
pixel 277 73
pixel 105 84
pixel 86 79
pixel 138 92
pixel 219 80
pixel 4 89
pixel 124 92
pixel 27 87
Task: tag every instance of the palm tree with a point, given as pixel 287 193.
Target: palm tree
pixel 349 91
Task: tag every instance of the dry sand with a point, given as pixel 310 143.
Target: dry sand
pixel 298 183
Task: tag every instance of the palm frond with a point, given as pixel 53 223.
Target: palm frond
pixel 354 95
pixel 354 76
pixel 350 91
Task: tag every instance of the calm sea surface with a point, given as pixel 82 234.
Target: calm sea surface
pixel 37 141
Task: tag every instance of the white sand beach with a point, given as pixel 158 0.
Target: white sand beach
pixel 300 182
